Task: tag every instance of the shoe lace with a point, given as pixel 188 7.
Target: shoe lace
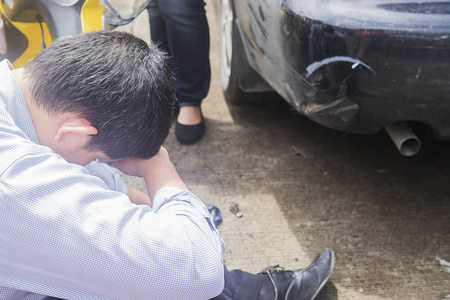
pixel 269 271
pixel 273 268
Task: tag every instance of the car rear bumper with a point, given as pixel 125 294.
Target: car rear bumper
pixel 361 72
pixel 378 78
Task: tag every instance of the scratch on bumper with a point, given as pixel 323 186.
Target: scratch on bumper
pixel 356 62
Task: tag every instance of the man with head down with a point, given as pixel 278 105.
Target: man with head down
pixel 70 228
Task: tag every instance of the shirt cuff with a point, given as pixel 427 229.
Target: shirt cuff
pixel 177 201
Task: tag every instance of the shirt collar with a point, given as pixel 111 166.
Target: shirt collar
pixel 14 103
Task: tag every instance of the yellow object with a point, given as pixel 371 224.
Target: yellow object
pixel 90 18
pixel 91 15
pixel 33 33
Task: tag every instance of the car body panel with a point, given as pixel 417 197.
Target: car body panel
pixel 355 66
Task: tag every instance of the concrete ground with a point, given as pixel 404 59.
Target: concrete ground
pixel 303 187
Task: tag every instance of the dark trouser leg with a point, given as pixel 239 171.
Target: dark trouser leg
pixel 182 27
pixel 158 28
pixel 240 285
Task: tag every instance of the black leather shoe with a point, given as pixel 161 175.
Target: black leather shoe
pixel 189 134
pixel 303 284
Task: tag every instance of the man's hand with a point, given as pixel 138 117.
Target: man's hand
pixel 158 171
pixel 135 166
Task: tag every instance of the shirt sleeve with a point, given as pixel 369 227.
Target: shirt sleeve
pixel 65 233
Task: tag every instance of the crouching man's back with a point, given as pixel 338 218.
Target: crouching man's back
pixel 70 227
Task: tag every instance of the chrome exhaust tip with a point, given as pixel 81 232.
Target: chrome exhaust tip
pixel 404 138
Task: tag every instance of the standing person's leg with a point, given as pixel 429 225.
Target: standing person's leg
pixel 187 34
pixel 188 40
pixel 158 33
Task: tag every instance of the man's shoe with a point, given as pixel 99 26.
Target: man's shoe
pixel 303 284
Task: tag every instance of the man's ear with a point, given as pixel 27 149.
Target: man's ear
pixel 75 127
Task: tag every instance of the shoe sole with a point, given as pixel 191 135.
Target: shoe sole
pixel 330 271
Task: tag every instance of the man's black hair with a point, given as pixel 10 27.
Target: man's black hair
pixel 116 81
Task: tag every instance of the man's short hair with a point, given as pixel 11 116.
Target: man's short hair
pixel 116 81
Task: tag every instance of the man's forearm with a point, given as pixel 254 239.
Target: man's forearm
pixel 158 171
pixel 138 197
pixel 160 175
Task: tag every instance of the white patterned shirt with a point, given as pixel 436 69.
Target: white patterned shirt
pixel 71 232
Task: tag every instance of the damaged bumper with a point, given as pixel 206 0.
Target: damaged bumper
pixel 358 66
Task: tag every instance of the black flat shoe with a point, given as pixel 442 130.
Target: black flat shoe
pixel 189 134
pixel 302 284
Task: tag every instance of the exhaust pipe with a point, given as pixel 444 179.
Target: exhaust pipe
pixel 404 138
